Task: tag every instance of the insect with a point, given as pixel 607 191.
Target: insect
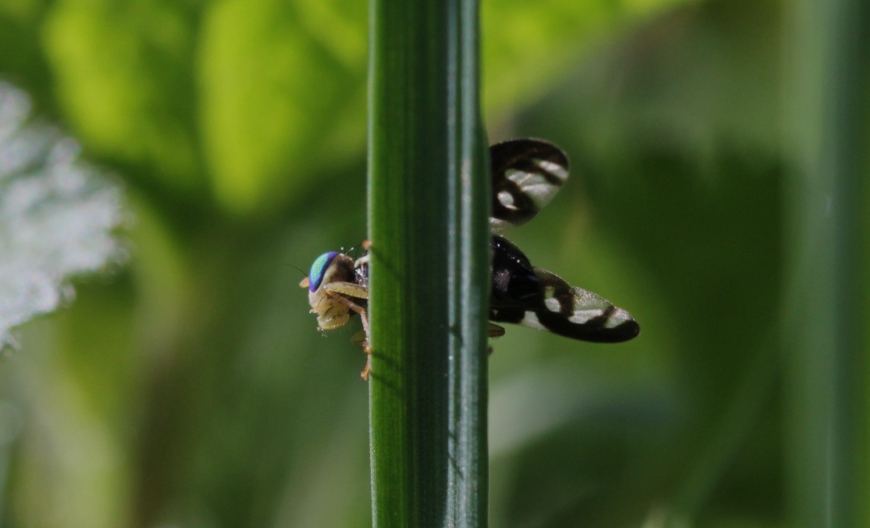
pixel 338 287
pixel 526 174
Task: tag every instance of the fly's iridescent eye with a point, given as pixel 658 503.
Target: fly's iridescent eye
pixel 318 270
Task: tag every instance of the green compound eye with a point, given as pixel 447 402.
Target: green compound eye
pixel 318 270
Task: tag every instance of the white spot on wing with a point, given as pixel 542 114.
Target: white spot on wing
pixel 517 176
pixel 553 168
pixel 534 185
pixel 618 317
pixel 506 199
pixel 497 225
pixel 539 191
pixel 531 320
pixel 553 304
pixel 584 316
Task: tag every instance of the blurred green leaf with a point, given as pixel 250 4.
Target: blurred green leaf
pixel 828 240
pixel 527 46
pixel 122 78
pixel 279 99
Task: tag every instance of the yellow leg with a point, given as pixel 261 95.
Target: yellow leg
pixel 365 322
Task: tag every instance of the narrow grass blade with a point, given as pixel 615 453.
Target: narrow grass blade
pixel 429 273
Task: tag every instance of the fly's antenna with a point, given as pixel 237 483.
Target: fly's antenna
pixel 297 269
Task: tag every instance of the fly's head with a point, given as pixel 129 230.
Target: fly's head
pixel 329 269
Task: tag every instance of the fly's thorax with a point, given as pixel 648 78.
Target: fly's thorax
pixel 514 282
pixel 361 270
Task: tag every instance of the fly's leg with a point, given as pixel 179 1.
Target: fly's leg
pixel 495 330
pixel 349 289
pixel 365 322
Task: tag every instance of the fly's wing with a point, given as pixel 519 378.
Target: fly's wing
pixel 526 174
pixel 570 312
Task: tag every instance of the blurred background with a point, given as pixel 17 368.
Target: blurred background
pixel 182 381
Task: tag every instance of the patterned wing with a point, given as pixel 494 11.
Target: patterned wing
pixel 570 312
pixel 526 174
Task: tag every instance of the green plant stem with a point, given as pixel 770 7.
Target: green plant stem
pixel 429 271
pixel 826 317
